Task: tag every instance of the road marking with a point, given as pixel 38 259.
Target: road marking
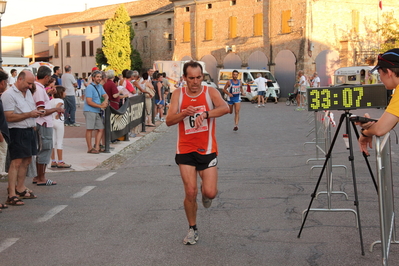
pixel 102 178
pixel 7 243
pixel 82 192
pixel 51 213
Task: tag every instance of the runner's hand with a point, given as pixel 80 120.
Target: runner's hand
pixel 199 120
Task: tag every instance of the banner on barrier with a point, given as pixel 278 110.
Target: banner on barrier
pixel 130 115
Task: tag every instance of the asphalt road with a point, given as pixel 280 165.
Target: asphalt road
pixel 133 214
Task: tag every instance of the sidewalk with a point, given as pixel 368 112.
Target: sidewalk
pixel 75 148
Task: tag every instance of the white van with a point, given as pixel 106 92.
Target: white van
pixel 355 75
pixel 247 75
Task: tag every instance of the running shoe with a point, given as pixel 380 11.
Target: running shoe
pixel 207 202
pixel 191 238
pixel 53 164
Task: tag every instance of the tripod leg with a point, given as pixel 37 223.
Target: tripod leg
pixel 365 158
pixel 328 156
pixel 351 159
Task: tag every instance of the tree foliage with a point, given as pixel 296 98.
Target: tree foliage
pixel 389 32
pixel 116 41
pixel 100 58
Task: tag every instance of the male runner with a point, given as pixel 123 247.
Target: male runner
pixel 233 88
pixel 194 108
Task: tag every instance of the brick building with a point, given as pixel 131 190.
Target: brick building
pixel 279 35
pixel 75 39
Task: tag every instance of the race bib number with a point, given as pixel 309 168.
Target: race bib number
pixel 189 122
pixel 235 90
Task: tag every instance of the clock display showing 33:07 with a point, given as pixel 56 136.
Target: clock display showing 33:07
pixel 347 97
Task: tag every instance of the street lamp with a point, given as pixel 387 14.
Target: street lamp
pixel 291 22
pixel 2 11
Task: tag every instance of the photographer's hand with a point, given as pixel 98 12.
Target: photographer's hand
pixel 364 142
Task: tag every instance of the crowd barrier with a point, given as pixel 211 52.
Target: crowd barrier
pixel 118 123
pixel 385 196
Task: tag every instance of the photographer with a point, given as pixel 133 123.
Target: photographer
pixel 388 68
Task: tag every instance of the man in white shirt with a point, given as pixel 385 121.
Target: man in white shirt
pixel 261 83
pixel 70 84
pixel 315 80
pixel 20 112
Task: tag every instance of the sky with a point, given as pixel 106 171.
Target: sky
pixel 40 8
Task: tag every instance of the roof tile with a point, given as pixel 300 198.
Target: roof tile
pixel 135 8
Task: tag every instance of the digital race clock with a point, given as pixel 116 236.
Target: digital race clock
pixel 347 97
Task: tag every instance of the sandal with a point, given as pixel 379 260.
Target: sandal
pixel 22 195
pixel 48 183
pixel 94 151
pixel 3 206
pixel 14 201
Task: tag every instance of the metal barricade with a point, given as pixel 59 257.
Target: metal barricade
pixel 385 196
pixel 324 121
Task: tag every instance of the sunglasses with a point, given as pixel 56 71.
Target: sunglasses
pixel 380 57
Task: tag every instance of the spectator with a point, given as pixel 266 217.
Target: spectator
pixel 4 132
pixel 78 92
pixel 137 87
pixel 50 87
pixel 159 97
pixel 261 83
pixel 69 83
pixel 44 126
pixel 111 90
pixel 316 80
pixel 58 128
pixel 92 107
pixel 150 92
pixel 56 75
pixel 150 73
pixel 180 83
pixel 89 78
pixel 302 85
pixel 166 88
pixel 20 112
pixel 13 78
pixel 83 88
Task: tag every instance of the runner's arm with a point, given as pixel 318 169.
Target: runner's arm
pixel 225 89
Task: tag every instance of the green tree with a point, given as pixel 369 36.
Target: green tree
pixel 116 41
pixel 389 32
pixel 101 60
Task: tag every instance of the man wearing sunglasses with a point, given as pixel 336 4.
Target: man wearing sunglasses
pixel 388 68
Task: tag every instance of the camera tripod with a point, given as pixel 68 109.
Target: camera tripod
pixel 345 116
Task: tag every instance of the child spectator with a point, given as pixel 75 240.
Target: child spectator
pixel 58 128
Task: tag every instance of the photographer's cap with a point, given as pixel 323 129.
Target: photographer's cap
pixel 389 59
